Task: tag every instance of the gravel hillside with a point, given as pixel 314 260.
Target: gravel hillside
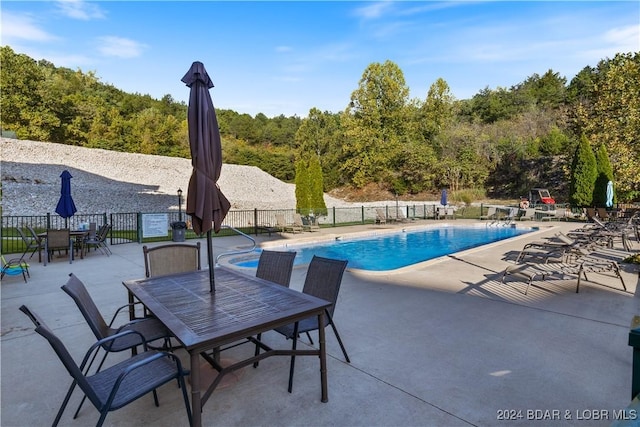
pixel 109 181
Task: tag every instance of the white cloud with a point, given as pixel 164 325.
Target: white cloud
pixel 120 47
pixel 79 9
pixel 374 10
pixel 22 27
pixel 283 49
pixel 625 39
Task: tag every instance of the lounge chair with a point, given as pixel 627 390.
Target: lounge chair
pixel 288 227
pixel 444 212
pixel 308 223
pixel 533 271
pixel 529 214
pixel 603 214
pixel 15 267
pixel 381 217
pixel 492 213
pixel 400 215
pixel 267 227
pixel 558 214
pixel 575 260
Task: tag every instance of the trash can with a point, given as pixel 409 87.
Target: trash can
pixel 634 341
pixel 178 229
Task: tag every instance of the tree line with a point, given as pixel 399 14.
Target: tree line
pixel 500 142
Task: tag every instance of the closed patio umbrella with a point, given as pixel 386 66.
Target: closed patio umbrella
pixel 443 198
pixel 609 202
pixel 66 208
pixel 206 204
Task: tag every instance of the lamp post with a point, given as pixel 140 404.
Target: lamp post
pixel 179 204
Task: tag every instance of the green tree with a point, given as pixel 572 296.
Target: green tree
pixel 547 91
pixel 22 103
pixel 303 188
pixel 607 110
pixel 438 109
pixel 316 187
pixel 375 124
pixel 605 174
pixel 320 134
pixel 584 172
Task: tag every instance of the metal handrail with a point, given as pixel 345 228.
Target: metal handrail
pixel 237 252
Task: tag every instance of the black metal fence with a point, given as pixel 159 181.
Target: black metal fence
pixel 128 227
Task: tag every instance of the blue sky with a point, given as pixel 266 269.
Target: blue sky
pixel 287 57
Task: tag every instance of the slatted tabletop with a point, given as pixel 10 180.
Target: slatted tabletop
pixel 241 305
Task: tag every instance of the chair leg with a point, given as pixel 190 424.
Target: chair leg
pixel 309 336
pixel 186 398
pixel 64 403
pixel 257 351
pixel 103 415
pixel 86 372
pixel 335 331
pixel 293 357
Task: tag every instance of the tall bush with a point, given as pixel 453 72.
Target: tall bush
pixel 583 174
pixel 605 174
pixel 316 187
pixel 303 189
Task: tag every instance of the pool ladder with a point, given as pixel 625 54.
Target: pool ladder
pixel 239 251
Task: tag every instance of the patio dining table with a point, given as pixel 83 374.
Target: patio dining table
pixel 77 235
pixel 242 306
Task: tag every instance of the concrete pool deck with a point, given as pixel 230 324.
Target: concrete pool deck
pixel 442 344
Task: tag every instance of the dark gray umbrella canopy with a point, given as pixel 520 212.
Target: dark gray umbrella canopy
pixel 205 202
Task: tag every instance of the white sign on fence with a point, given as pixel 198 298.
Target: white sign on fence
pixel 155 225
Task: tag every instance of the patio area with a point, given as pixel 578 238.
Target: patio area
pixel 444 343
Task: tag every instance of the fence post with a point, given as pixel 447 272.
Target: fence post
pixel 255 221
pixel 48 220
pixel 481 207
pixel 139 226
pixel 362 213
pixel 334 216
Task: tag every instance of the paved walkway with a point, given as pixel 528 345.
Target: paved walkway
pixel 444 343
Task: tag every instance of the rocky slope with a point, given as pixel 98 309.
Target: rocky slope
pixel 109 181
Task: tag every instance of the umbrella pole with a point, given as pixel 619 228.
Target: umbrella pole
pixel 212 282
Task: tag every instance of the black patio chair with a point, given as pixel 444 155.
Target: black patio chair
pixel 149 328
pixel 98 240
pixel 59 240
pixel 120 384
pixel 171 258
pixel 32 242
pixel 323 280
pixel 276 267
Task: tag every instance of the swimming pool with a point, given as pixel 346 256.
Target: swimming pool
pixel 391 251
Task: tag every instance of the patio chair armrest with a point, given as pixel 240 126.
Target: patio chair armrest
pixel 119 310
pixel 156 355
pixel 98 344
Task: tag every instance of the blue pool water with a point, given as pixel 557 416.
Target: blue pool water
pixel 395 250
